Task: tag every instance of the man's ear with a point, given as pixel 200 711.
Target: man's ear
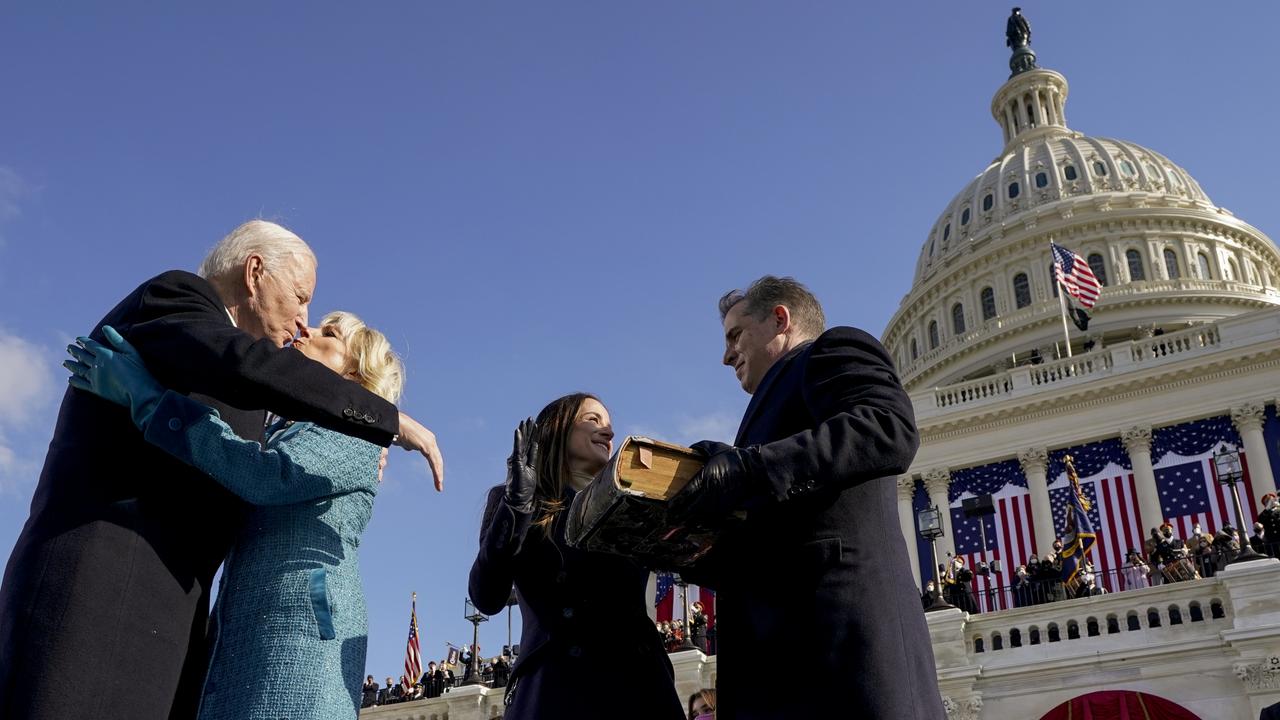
pixel 781 319
pixel 254 269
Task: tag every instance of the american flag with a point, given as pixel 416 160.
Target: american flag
pixel 1187 481
pixel 664 600
pixel 1009 533
pixel 1112 492
pixel 412 653
pixel 1073 274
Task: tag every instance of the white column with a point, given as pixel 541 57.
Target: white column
pixel 907 522
pixel 1137 441
pixel 936 481
pixel 1248 420
pixel 1035 463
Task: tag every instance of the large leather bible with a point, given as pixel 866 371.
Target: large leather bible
pixel 624 510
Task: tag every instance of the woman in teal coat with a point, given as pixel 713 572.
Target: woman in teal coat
pixel 288 631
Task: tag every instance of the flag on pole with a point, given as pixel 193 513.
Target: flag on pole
pixel 664 599
pixel 1074 275
pixel 1080 536
pixel 412 652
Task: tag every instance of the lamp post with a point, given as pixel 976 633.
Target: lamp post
pixel 475 617
pixel 1229 471
pixel 929 525
pixel 687 643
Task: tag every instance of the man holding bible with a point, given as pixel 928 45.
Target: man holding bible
pixel 819 568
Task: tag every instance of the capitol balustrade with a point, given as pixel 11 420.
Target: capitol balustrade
pixel 1129 357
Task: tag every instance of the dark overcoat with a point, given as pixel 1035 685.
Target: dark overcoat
pixel 108 585
pixel 588 648
pixel 819 569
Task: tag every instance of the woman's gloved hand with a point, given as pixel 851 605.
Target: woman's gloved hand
pixel 522 469
pixel 114 373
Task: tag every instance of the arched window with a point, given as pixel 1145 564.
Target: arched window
pixel 1099 168
pixel 1171 264
pixel 946 233
pixel 988 303
pixel 957 319
pixel 1232 270
pixel 1042 180
pixel 1021 290
pixel 1098 267
pixel 933 334
pixel 1127 168
pixel 1134 259
pixel 987 202
pixel 915 349
pixel 964 217
pixel 1069 172
pixel 1205 272
pixel 1013 190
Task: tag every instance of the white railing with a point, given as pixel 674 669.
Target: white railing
pixel 1183 341
pixel 1072 367
pixel 980 389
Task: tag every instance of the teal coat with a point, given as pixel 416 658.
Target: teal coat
pixel 289 629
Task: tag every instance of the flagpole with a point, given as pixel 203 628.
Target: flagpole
pixel 1062 299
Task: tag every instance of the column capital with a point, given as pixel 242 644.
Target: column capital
pixel 1034 459
pixel 1136 438
pixel 906 487
pixel 937 480
pixel 1248 416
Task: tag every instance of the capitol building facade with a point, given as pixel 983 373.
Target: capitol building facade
pixel 1180 361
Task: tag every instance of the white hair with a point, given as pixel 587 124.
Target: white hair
pixel 276 244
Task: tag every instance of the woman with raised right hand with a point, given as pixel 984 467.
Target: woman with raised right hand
pixel 588 647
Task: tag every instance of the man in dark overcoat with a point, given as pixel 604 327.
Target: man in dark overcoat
pixel 108 585
pixel 819 567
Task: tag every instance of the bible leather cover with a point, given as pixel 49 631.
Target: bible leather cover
pixel 624 510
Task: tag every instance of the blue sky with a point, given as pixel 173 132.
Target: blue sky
pixel 535 198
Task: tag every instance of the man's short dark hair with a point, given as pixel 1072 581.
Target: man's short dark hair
pixel 770 291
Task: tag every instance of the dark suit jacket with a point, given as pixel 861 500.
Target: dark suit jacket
pixel 819 568
pixel 109 581
pixel 588 647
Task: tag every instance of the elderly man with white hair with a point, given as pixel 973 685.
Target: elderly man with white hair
pixel 107 589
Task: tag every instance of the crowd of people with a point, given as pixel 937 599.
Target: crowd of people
pixel 1164 558
pixel 439 677
pixel 696 630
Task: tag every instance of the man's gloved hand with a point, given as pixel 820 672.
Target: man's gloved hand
pixel 522 469
pixel 724 485
pixel 707 448
pixel 114 373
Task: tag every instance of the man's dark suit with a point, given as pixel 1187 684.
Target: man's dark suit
pixel 108 584
pixel 819 569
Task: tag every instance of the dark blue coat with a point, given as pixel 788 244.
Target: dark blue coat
pixel 819 569
pixel 588 648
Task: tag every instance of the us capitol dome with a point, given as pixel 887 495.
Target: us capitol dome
pixel 984 297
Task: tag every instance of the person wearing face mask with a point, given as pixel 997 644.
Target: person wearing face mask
pixel 702 705
pixel 289 628
pixel 1269 517
pixel 588 646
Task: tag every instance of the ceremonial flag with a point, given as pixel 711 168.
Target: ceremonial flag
pixel 412 653
pixel 664 600
pixel 1073 274
pixel 1078 540
pixel 452 657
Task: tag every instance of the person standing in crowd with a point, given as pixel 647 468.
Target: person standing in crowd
pixel 588 647
pixel 1258 540
pixel 959 580
pixel 290 619
pixel 1269 516
pixel 390 693
pixel 123 554
pixel 369 693
pixel 698 626
pixel 826 434
pixel 1135 572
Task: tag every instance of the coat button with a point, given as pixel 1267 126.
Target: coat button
pixel 175 424
pixel 348 412
pixel 567 613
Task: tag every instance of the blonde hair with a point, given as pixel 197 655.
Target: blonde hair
pixel 370 358
pixel 280 249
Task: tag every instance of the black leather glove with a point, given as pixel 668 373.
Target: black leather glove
pixel 522 469
pixel 723 485
pixel 707 448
